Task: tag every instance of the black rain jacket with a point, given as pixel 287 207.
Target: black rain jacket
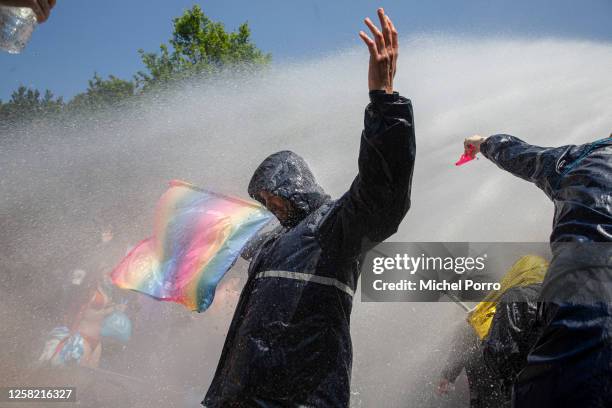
pixel 578 179
pixel 571 363
pixel 289 341
pixel 513 333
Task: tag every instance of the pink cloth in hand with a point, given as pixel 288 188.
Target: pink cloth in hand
pixel 467 156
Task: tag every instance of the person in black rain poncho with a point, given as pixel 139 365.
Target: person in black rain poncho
pixel 289 341
pixel 571 362
pixel 513 332
pixel 493 346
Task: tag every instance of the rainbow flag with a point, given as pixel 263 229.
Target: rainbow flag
pixel 198 235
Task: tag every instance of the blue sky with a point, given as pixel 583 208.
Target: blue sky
pixel 85 36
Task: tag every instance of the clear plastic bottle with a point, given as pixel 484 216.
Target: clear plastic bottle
pixel 16 27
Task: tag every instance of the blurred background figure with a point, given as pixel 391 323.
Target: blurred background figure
pixel 466 353
pixel 493 345
pixel 80 342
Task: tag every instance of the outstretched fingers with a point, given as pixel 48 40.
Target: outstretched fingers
pixel 393 46
pixel 386 29
pixel 378 36
pixel 394 36
pixel 369 42
pixel 382 53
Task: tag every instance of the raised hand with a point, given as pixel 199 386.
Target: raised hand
pixel 474 141
pixel 383 53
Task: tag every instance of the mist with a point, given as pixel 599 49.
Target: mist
pixel 64 183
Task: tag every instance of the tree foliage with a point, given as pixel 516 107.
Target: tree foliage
pixel 103 93
pixel 200 46
pixel 27 103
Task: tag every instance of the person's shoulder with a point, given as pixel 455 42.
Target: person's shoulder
pixel 323 211
pixel 527 293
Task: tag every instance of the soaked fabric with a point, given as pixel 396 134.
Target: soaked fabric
pixel 255 243
pixel 289 341
pixel 577 179
pixel 287 175
pixel 513 332
pixel 528 270
pixel 570 365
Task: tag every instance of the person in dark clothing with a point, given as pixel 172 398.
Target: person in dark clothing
pixel 491 345
pixel 465 353
pixel 571 362
pixel 289 341
pixel 512 334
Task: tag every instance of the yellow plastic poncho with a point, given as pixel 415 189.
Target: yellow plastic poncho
pixel 528 270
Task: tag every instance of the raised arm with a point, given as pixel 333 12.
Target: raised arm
pixel 464 345
pixel 532 163
pixel 379 197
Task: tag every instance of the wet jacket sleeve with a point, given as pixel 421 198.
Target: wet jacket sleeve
pixel 532 163
pixel 513 332
pixel 379 196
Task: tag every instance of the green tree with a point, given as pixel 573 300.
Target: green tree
pixel 103 93
pixel 26 103
pixel 198 47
